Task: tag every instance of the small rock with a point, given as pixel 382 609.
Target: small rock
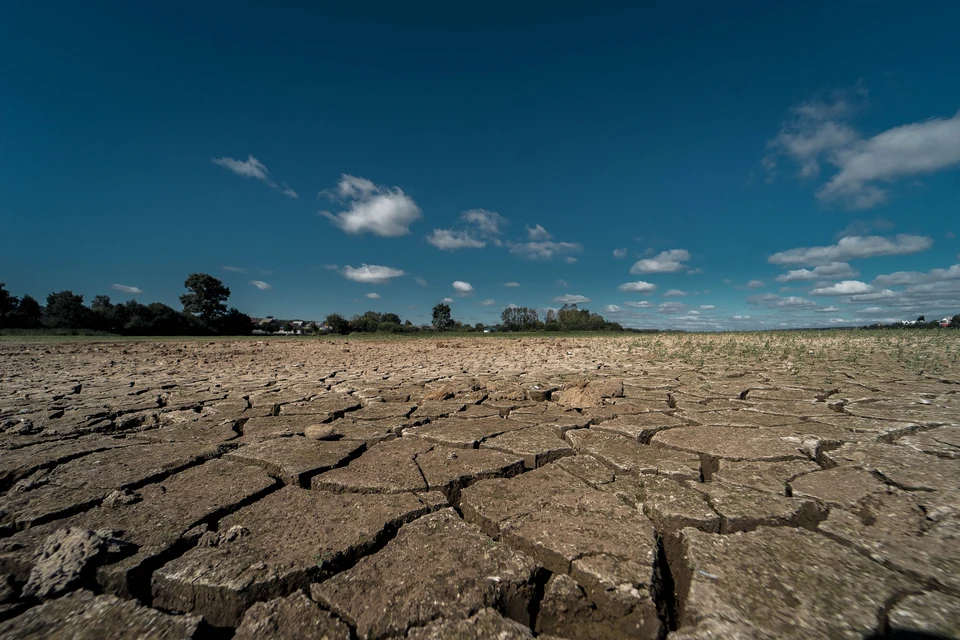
pixel 66 557
pixel 320 432
pixel 121 497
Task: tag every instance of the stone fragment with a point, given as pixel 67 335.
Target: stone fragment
pixel 604 545
pixel 764 476
pixel 68 557
pixel 290 618
pixel 746 509
pixel 434 410
pixel 456 570
pixel 84 616
pixel 566 611
pixel 320 432
pixel 295 460
pixel 840 486
pixel 928 614
pixel 537 445
pixel 487 623
pixel 626 455
pixel 463 432
pixel 763 578
pixel 293 537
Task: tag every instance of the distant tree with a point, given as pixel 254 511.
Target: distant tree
pixel 479 326
pixel 65 310
pixel 954 322
pixel 234 323
pixel 441 317
pixel 272 327
pixel 520 319
pixel 288 326
pixel 8 302
pixel 922 319
pixel 338 324
pixel 27 316
pixel 390 318
pixel 206 298
pixel 101 303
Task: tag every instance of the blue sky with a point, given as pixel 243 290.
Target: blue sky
pixel 694 165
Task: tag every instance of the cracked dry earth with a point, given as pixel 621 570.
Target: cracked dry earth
pixel 475 488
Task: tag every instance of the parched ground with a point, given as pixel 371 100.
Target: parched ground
pixel 795 485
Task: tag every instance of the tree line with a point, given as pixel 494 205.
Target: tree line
pixel 204 312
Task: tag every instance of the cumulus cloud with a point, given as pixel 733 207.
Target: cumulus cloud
pixel 447 301
pixel 383 211
pixel 754 284
pixel 463 288
pixel 373 296
pixel 235 269
pixel 489 302
pixel 665 262
pixel 571 299
pixel 450 240
pixel 853 247
pixel 371 273
pixel 511 284
pixel 707 307
pixel 620 253
pixel 672 308
pixel 773 301
pixel 488 222
pixel 125 289
pixel 674 293
pixel 917 277
pixel 612 308
pixel 823 272
pixel 545 250
pixel 819 132
pixel 637 287
pixel 538 233
pixel 642 304
pixel 844 288
pixel 260 284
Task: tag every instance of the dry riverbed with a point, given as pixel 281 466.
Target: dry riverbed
pixel 793 485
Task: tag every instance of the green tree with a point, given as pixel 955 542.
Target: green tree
pixel 954 322
pixel 65 310
pixel 338 324
pixel 28 314
pixel 206 298
pixel 235 323
pixel 441 317
pixel 391 318
pixel 8 302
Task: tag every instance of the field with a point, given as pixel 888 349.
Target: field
pixel 757 485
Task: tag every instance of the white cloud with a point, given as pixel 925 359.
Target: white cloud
pixel 420 281
pixel 571 299
pixel 371 273
pixel 827 310
pixel 672 307
pixel 844 288
pixel 674 293
pixel 561 283
pixel 373 296
pixel 545 250
pixel 235 269
pixel 450 240
pixel 637 287
pixel 620 253
pixel 612 308
pixel 754 284
pixel 910 149
pixel 853 247
pixel 511 284
pixel 463 288
pixel 707 307
pixel 885 294
pixel 665 262
pixel 383 211
pixel 643 304
pixel 570 260
pixel 331 267
pixel 489 302
pixel 538 233
pixel 124 288
pixel 287 191
pixel 693 272
pixel 252 168
pixel 916 277
pixel 447 301
pixel 260 284
pixel 823 272
pixel 487 221
pixel 773 301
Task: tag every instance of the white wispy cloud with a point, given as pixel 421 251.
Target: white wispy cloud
pixel 844 288
pixel 854 247
pixel 287 191
pixel 251 168
pixel 382 211
pixel 450 240
pixel 571 299
pixel 707 307
pixel 754 284
pixel 537 233
pixel 463 288
pixel 373 296
pixel 420 281
pixel 126 289
pixel 488 222
pixel 612 308
pixel 665 262
pixel 371 273
pixel 260 284
pixel 637 287
pixel 561 283
pixel 642 304
pixel 545 250
pixel 672 308
pixel 489 302
pixel 620 253
pixel 901 278
pixel 773 301
pixel 674 293
pixel 234 269
pixel 823 272
pixel 570 260
pixel 511 284
pixel 827 309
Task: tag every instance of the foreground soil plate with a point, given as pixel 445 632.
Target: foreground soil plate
pixel 690 487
